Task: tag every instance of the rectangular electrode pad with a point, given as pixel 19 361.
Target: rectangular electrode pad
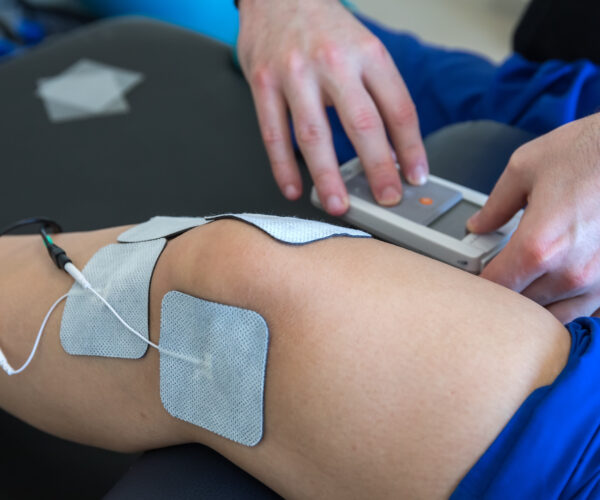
pixel 212 356
pixel 224 391
pixel 292 230
pixel 121 274
pixel 160 227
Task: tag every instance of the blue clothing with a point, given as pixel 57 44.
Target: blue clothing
pixel 550 449
pixel 215 18
pixel 450 86
pixel 17 30
pixel 24 27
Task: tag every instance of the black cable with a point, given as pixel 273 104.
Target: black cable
pixel 45 222
pixel 57 254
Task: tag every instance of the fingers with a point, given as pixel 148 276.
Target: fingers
pixel 518 264
pixel 364 126
pixel 273 121
pixel 508 196
pixel 567 310
pixel 553 287
pixel 314 138
pixel 571 270
pixel 396 106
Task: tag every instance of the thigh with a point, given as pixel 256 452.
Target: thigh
pixel 388 374
pixel 104 402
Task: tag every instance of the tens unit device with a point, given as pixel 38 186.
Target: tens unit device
pixel 431 219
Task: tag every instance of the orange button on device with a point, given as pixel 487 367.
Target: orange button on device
pixel 426 201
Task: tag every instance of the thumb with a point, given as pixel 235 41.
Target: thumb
pixel 507 198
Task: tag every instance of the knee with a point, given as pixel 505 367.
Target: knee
pixel 225 261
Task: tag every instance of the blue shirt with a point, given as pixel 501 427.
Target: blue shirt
pixel 450 86
pixel 550 449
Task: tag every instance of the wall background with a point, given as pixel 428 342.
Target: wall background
pixel 484 26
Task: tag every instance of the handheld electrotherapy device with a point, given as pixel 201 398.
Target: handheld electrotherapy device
pixel 431 219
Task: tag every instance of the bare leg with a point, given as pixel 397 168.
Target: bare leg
pixel 388 374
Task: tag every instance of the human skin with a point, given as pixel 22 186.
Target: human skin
pixel 388 374
pixel 554 256
pixel 302 55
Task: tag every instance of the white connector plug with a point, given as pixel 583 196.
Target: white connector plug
pixel 5 365
pixel 77 275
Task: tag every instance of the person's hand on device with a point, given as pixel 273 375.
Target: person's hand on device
pixel 303 55
pixel 554 256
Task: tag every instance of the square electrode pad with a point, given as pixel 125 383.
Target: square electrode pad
pixel 160 227
pixel 87 89
pixel 290 230
pixel 223 391
pixel 121 274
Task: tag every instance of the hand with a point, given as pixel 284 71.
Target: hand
pixel 554 255
pixel 303 55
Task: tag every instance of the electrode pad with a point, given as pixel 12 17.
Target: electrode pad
pixel 224 391
pixel 121 274
pixel 293 230
pixel 159 227
pixel 212 356
pixel 285 229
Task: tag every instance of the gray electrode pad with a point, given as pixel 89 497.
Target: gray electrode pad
pixel 121 274
pixel 224 391
pixel 213 356
pixel 289 230
pixel 87 89
pixel 160 227
pixel 293 230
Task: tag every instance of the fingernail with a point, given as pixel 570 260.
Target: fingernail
pixel 291 192
pixel 335 205
pixel 418 176
pixel 472 222
pixel 390 196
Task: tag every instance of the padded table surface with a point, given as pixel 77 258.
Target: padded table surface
pixel 189 146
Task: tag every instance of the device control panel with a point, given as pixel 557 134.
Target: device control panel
pixel 431 219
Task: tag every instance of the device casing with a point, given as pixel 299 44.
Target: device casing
pixel 471 254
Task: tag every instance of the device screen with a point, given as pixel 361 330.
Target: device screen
pixel 454 221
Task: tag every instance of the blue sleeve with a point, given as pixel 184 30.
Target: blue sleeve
pixel 215 18
pixel 450 86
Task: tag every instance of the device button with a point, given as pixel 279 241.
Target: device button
pixel 487 241
pixel 425 201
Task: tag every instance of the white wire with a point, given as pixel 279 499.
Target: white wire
pixel 138 334
pixel 39 335
pixel 80 279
